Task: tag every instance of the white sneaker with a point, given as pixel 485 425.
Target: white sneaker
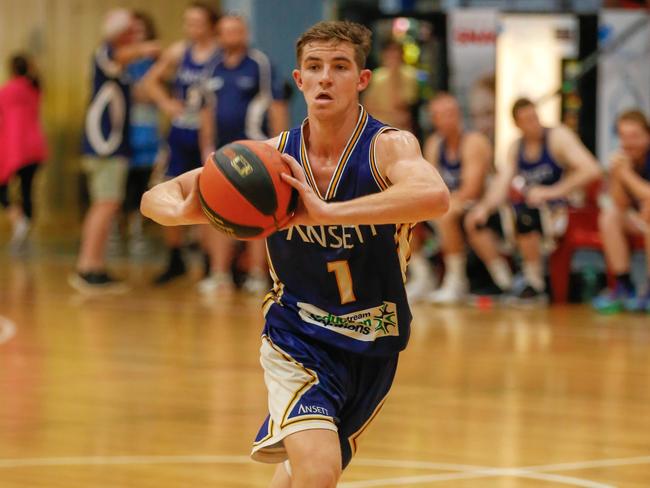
pixel 256 284
pixel 451 291
pixel 220 282
pixel 417 289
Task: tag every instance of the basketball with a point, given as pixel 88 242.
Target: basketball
pixel 242 193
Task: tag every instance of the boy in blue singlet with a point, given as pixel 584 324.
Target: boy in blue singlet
pixel 337 315
pixel 549 164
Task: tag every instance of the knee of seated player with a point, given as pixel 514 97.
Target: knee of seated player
pixel 645 210
pixel 315 458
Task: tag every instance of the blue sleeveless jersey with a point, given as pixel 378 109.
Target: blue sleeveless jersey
pixel 189 87
pixel 544 171
pixel 342 285
pixel 106 125
pixel 645 172
pixel 449 170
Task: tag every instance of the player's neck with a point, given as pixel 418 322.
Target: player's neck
pixel 326 137
pixel 205 44
pixel 232 57
pixel 452 140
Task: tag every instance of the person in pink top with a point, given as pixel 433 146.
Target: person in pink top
pixel 22 143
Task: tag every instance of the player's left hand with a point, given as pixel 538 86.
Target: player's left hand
pixel 537 195
pixel 311 210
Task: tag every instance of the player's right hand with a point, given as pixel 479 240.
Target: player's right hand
pixel 476 218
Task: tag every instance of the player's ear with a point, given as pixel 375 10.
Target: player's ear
pixel 297 77
pixel 364 79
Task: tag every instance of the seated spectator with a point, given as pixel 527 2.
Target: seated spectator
pixel 627 212
pixel 546 165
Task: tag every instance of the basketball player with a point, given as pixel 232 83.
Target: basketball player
pixel 551 163
pixel 188 63
pixel 246 90
pixel 106 147
pixel 337 315
pixel 464 159
pixel 628 213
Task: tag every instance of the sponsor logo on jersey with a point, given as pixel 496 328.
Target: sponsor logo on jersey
pixel 364 325
pixel 312 409
pixel 332 236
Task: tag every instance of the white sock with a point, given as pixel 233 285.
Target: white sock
pixel 455 268
pixel 534 275
pixel 500 272
pixel 419 267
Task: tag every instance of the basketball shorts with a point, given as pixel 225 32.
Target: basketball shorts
pixel 314 386
pixel 184 151
pixel 106 177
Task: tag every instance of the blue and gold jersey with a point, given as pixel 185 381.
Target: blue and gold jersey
pixel 449 168
pixel 342 284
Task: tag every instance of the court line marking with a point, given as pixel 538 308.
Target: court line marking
pixel 7 329
pixel 463 471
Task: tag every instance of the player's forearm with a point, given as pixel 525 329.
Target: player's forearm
pixel 636 185
pixel 162 203
pixel 407 203
pixel 577 180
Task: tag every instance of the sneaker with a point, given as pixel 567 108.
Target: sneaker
pixel 638 303
pixel 219 282
pixel 451 291
pixel 614 300
pixel 418 290
pixel 527 295
pixel 256 284
pixel 96 283
pixel 174 270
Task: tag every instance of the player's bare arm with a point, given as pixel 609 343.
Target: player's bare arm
pixel 416 190
pixel 126 54
pixel 476 154
pixel 575 157
pixel 162 70
pixel 175 202
pixel 497 192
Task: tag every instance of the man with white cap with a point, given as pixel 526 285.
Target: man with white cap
pixel 106 146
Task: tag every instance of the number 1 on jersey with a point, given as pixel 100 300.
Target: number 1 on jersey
pixel 341 270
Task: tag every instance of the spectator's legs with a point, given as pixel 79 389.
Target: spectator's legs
pixel 611 223
pixel 454 285
pixel 484 243
pixel 221 250
pixel 257 279
pixel 94 236
pixel 531 253
pixel 175 264
pixel 421 280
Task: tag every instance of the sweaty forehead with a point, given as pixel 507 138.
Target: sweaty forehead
pixel 328 50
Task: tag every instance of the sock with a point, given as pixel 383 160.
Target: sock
pixel 534 275
pixel 455 265
pixel 419 267
pixel 625 280
pixel 500 272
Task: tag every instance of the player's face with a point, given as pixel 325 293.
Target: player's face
pixel 196 24
pixel 528 122
pixel 329 77
pixel 445 115
pixel 139 31
pixel 233 33
pixel 635 140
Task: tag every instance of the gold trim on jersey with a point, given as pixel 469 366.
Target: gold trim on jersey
pixel 403 242
pixel 267 436
pixel 275 295
pixel 352 440
pixel 374 168
pixel 343 159
pixel 282 142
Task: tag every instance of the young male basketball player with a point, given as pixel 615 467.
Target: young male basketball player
pixel 337 316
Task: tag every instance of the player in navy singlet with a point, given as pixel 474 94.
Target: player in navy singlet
pixel 337 316
pixel 628 213
pixel 248 105
pixel 187 64
pixel 464 159
pixel 106 146
pixel 546 165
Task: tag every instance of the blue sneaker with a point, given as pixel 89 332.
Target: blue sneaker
pixel 613 300
pixel 639 303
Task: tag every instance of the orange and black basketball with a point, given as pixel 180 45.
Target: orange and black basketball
pixel 241 190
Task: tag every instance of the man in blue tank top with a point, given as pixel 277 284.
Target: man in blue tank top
pixel 464 160
pixel 249 105
pixel 337 316
pixel 545 165
pixel 187 64
pixel 106 147
pixel 627 213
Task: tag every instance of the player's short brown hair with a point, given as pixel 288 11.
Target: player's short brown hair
pixel 338 31
pixel 634 116
pixel 519 104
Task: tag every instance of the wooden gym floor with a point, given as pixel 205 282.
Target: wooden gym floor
pixel 161 388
